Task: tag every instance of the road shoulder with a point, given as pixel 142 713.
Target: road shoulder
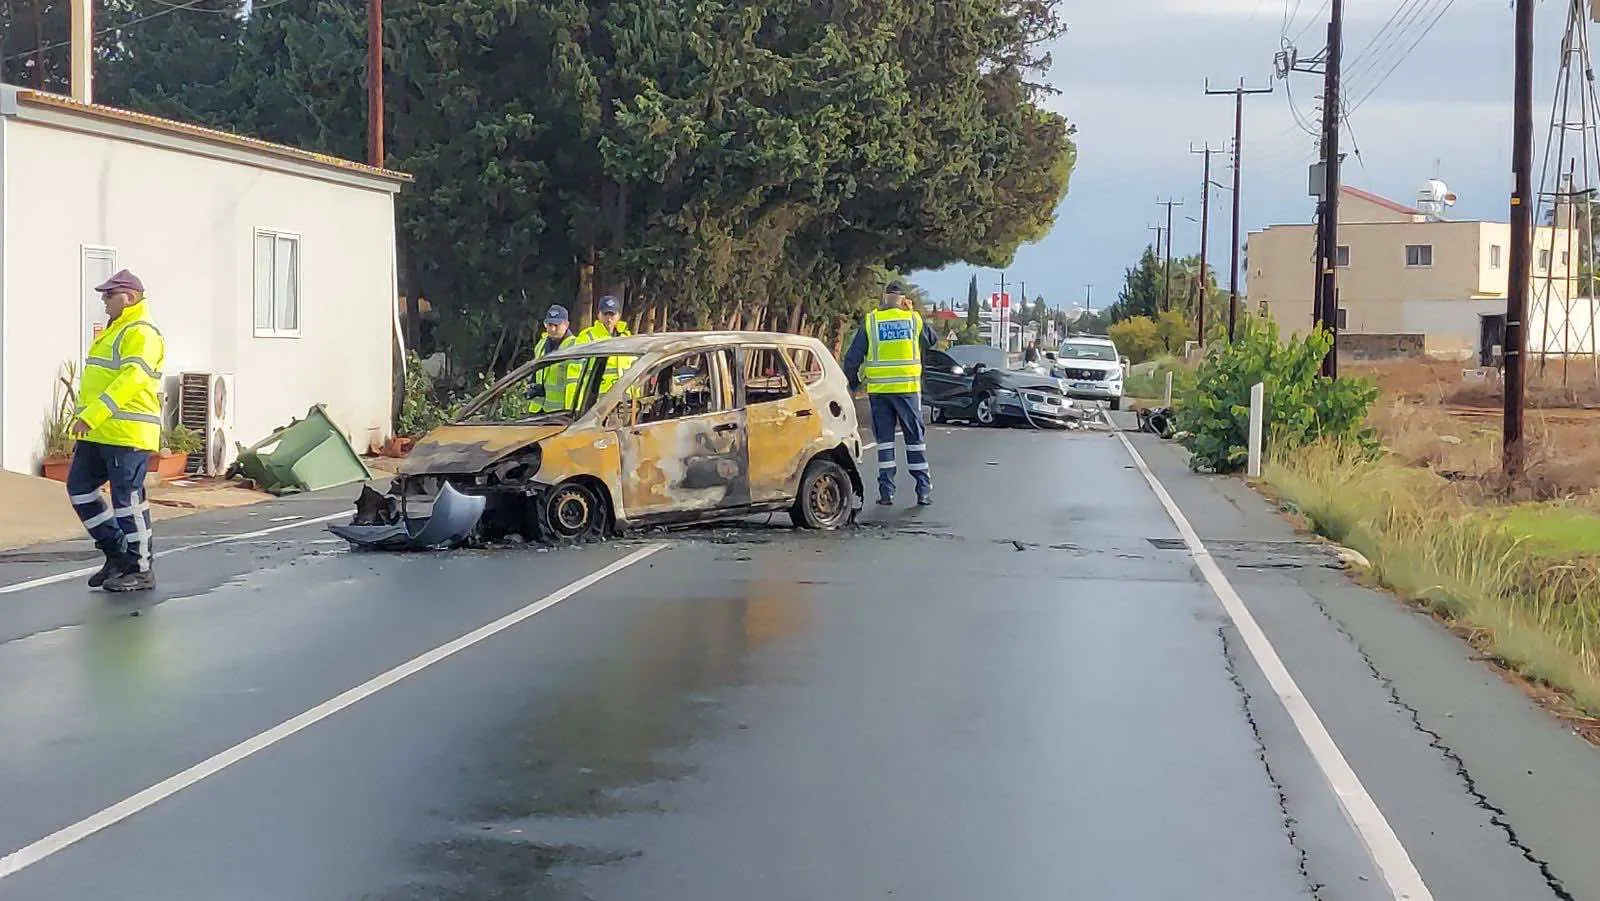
pixel 1409 706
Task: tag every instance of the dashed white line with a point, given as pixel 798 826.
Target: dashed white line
pixel 1390 856
pixel 55 842
pixel 90 570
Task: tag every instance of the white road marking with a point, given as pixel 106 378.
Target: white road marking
pixel 1390 856
pixel 18 860
pixel 90 570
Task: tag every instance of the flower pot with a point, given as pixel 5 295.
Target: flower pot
pixel 170 466
pixel 55 468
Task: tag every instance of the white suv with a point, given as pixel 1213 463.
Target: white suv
pixel 1090 369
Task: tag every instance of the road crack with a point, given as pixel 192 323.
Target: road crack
pixel 1247 703
pixel 1497 816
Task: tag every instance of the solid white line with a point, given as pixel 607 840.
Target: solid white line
pixel 1390 856
pixel 18 860
pixel 90 570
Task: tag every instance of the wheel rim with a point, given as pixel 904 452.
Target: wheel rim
pixel 571 511
pixel 985 410
pixel 826 498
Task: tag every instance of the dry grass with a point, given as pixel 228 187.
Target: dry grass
pixel 1530 601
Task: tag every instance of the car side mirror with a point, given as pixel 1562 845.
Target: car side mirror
pixel 957 370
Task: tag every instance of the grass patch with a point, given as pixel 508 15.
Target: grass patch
pixel 1149 380
pixel 1522 582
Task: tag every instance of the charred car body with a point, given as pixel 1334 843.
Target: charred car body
pixel 632 432
pixel 971 383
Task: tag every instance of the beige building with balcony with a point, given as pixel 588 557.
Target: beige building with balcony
pixel 1409 282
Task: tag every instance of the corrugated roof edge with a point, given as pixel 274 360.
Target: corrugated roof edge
pixel 24 96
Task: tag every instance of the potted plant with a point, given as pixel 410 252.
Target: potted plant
pixel 58 438
pixel 177 445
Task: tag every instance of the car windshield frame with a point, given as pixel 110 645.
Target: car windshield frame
pixel 993 357
pixel 1103 353
pixel 592 365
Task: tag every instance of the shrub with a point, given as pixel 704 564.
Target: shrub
pixel 1136 337
pixel 180 439
pixel 419 412
pixel 1301 406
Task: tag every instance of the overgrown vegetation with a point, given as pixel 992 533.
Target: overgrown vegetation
pixel 1302 407
pixel 727 163
pixel 1150 380
pixel 420 413
pixel 1514 579
pixel 182 440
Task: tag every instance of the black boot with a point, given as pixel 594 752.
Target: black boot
pixel 116 562
pixel 132 580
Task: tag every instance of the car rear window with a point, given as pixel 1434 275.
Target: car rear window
pixel 806 365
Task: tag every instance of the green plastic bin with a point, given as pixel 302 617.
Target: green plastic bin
pixel 306 455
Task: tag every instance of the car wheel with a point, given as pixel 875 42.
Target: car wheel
pixel 935 415
pixel 984 409
pixel 1116 403
pixel 824 498
pixel 575 512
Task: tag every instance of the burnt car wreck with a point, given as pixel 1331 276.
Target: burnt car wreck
pixel 635 432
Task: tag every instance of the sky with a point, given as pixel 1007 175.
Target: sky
pixel 1131 76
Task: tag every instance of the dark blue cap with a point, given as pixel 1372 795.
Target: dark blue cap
pixel 558 313
pixel 609 304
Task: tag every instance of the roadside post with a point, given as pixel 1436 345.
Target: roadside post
pixel 1258 404
pixel 1166 394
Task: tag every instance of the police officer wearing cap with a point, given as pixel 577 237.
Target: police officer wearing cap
pixel 887 352
pixel 611 325
pixel 560 384
pixel 118 427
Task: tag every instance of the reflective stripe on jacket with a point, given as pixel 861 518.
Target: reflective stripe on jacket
pixel 560 381
pixel 894 352
pixel 119 395
pixel 615 366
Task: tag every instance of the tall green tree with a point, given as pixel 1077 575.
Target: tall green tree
pixel 1141 292
pixel 973 318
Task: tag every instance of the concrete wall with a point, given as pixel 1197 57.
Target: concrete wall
pixel 186 224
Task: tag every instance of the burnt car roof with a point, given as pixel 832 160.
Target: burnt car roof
pixel 672 342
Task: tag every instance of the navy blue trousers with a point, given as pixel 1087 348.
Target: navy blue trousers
pixel 905 411
pixel 124 527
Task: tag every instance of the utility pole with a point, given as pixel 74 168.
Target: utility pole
pixel 1205 232
pixel 1512 449
pixel 375 83
pixel 1238 151
pixel 1327 296
pixel 1166 277
pixel 82 50
pixel 1088 297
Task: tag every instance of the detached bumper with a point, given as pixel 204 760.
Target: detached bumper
pixel 378 524
pixel 1094 390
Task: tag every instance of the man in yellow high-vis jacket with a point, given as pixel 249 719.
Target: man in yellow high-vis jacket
pixel 887 353
pixel 118 427
pixel 611 325
pixel 560 382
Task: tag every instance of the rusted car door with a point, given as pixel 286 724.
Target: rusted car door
pixel 782 420
pixel 685 451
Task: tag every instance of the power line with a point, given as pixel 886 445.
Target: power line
pixel 1397 63
pixel 170 8
pixel 1382 57
pixel 1360 56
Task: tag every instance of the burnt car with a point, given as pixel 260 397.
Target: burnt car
pixel 698 426
pixel 972 383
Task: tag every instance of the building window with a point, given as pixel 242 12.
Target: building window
pixel 277 293
pixel 1419 254
pixel 1494 256
pixel 1544 260
pixel 1341 319
pixel 1341 256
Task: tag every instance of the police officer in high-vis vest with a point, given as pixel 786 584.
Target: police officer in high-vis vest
pixel 611 325
pixel 887 354
pixel 118 427
pixel 560 381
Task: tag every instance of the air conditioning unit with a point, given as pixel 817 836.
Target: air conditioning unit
pixel 205 406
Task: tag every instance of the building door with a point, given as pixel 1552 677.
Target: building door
pixel 1491 335
pixel 96 264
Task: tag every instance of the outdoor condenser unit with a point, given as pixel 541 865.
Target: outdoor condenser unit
pixel 205 406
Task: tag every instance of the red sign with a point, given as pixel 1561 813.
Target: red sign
pixel 1002 301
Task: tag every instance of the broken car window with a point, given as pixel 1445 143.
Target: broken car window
pixel 766 376
pixel 806 365
pixel 682 387
pixel 553 388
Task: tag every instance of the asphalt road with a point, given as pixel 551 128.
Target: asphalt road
pixel 1032 690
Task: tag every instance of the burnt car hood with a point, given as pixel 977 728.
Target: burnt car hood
pixel 468 449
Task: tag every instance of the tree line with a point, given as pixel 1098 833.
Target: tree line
pixel 715 163
pixel 1147 321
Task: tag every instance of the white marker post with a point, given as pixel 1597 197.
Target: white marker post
pixel 1166 396
pixel 1258 410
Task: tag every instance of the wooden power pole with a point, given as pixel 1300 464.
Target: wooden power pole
pixel 1512 449
pixel 82 50
pixel 375 83
pixel 1204 283
pixel 1238 152
pixel 1166 277
pixel 1327 296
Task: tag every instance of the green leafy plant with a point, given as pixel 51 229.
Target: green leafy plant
pixel 58 438
pixel 1302 407
pixel 419 412
pixel 182 440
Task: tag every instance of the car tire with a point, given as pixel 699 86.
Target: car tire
pixel 1116 403
pixel 935 415
pixel 823 501
pixel 983 409
pixel 575 511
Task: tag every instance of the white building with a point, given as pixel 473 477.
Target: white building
pixel 270 266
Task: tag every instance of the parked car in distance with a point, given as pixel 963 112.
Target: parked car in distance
pixel 699 426
pixel 970 382
pixel 1091 369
